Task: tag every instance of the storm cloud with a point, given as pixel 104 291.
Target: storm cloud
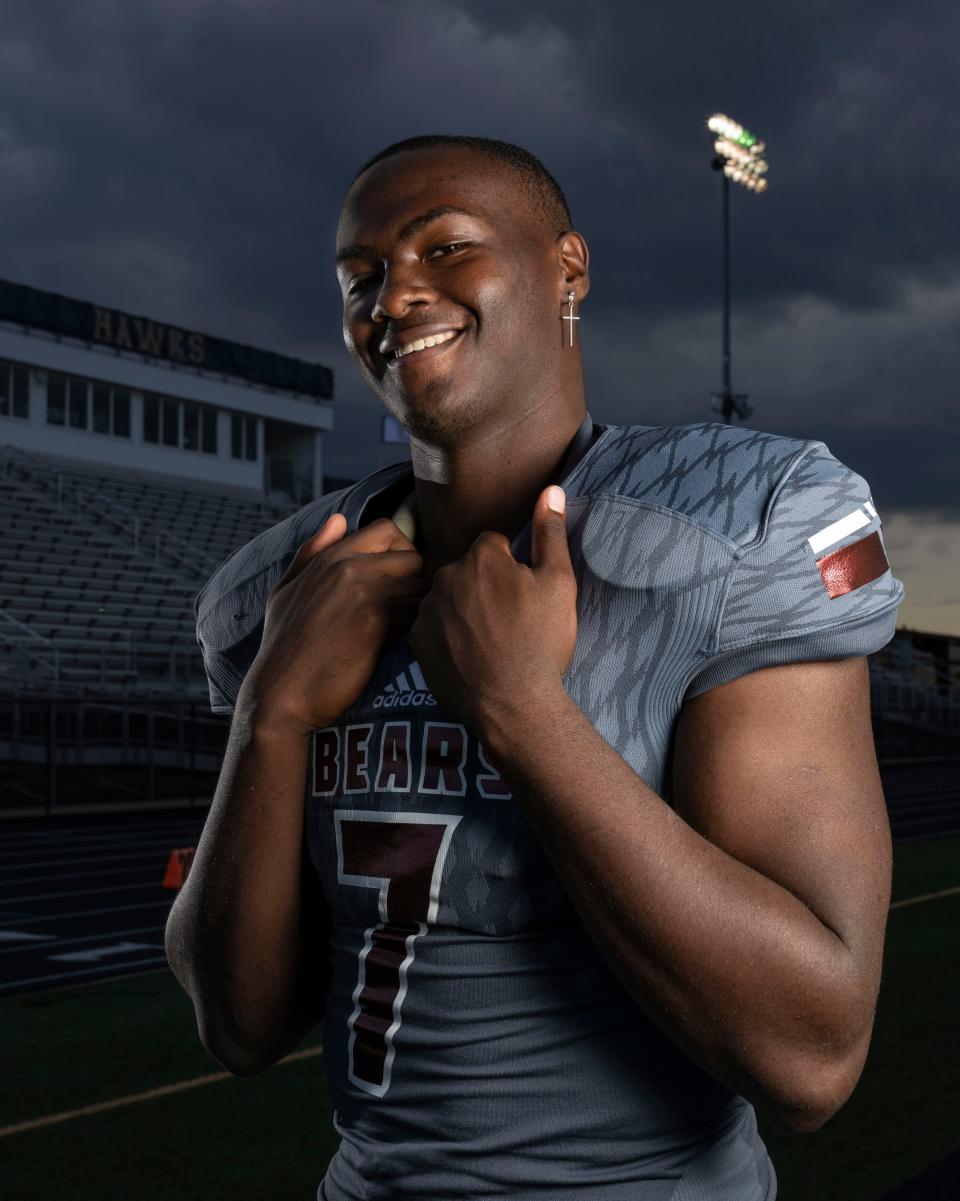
pixel 187 159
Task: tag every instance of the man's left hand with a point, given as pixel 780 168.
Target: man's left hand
pixel 491 629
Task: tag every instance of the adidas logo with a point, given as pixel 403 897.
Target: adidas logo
pixel 401 692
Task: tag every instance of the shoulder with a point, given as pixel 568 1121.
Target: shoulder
pixel 717 476
pixel 231 603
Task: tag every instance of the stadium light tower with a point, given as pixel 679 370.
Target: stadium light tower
pixel 738 154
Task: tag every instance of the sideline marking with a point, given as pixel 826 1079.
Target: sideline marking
pixel 162 1091
pixel 945 892
pixel 92 954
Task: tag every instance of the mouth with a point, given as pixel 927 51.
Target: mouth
pixel 422 348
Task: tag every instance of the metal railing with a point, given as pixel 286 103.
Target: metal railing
pixel 60 753
pixel 899 699
pixel 25 634
pixel 168 548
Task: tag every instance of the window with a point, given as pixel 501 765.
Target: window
pixel 14 390
pixel 111 410
pixel 56 398
pixel 243 437
pixel 82 404
pixel 151 418
pixel 121 412
pixel 191 427
pixel 101 409
pixel 171 422
pixel 196 429
pixel 78 389
pixel 21 391
pixel 209 431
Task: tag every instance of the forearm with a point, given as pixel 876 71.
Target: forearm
pixel 233 934
pixel 731 966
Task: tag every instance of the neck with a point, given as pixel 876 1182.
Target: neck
pixel 490 482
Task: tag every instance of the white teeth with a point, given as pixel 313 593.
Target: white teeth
pixel 423 343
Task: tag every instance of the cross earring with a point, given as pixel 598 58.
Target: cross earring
pixel 569 316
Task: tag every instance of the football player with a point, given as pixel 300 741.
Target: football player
pixel 550 785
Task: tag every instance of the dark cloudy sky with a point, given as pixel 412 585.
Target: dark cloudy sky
pixel 186 159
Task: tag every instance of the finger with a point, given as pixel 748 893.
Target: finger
pixel 380 535
pixel 550 548
pixel 331 531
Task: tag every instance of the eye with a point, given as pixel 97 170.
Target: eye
pixel 448 246
pixel 360 284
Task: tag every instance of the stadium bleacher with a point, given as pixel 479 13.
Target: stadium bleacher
pixel 99 567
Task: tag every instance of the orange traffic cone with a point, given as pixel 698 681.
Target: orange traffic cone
pixel 178 867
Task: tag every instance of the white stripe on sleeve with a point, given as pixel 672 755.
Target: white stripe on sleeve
pixel 839 529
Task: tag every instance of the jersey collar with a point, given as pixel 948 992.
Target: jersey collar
pixel 398 480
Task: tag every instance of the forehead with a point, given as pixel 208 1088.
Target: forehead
pixel 414 181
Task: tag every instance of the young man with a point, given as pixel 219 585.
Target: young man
pixel 568 823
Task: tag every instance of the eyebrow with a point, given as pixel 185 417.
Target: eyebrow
pixel 361 250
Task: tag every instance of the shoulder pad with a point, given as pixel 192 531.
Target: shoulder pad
pixel 720 476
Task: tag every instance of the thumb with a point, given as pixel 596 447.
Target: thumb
pixel 331 531
pixel 550 547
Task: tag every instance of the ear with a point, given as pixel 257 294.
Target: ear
pixel 574 261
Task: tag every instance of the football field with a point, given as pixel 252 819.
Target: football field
pixel 109 1094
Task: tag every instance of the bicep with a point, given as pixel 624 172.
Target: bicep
pixel 778 769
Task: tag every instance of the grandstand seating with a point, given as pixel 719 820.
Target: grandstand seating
pixel 99 568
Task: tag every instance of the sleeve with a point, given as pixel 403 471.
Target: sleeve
pixel 223 681
pixel 815 584
pixel 223 678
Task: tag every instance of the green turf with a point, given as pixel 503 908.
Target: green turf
pixel 923 867
pixel 271 1136
pixel 902 1115
pixel 261 1137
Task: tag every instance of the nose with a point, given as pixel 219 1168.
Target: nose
pixel 403 286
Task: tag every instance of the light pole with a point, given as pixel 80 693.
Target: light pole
pixel 738 156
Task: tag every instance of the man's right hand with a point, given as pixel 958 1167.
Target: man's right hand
pixel 328 620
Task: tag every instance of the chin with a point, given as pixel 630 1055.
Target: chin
pixel 438 417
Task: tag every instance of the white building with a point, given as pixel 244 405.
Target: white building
pixel 86 382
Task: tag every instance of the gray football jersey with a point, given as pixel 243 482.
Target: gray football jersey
pixel 476 1043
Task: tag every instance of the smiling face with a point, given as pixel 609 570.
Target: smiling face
pixel 445 244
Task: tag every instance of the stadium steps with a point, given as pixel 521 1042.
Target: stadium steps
pixel 95 590
pixel 147 527
pixel 87 624
pixel 107 600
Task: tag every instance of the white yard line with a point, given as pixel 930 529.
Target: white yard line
pixel 946 892
pixel 151 1094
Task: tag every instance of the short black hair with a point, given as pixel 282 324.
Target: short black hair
pixel 536 180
